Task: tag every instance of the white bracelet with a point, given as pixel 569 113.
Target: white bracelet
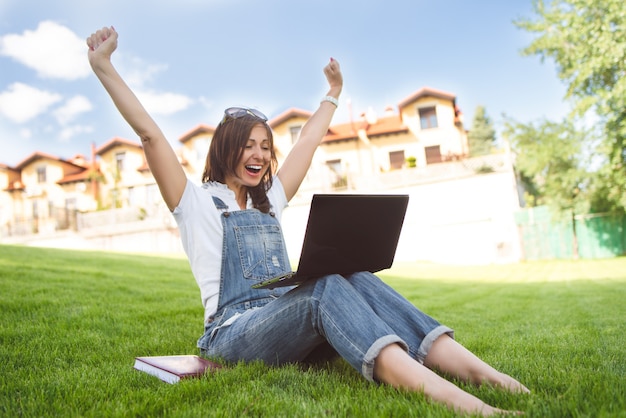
pixel 331 99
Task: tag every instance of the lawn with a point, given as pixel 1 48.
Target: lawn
pixel 73 321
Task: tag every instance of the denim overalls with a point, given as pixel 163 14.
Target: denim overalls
pixel 357 315
pixel 253 250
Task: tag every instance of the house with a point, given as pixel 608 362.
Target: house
pixel 45 190
pixel 428 129
pixel 126 179
pixel 195 147
pixel 9 182
pixel 362 154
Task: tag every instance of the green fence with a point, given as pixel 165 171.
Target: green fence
pixel 543 237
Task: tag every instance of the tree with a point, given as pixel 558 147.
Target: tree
pixel 482 136
pixel 551 160
pixel 587 41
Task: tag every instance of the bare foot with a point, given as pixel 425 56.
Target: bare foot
pixel 506 382
pixel 507 412
pixel 489 410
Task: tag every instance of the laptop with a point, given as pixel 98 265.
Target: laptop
pixel 346 233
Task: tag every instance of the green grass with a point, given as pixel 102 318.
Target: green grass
pixel 72 323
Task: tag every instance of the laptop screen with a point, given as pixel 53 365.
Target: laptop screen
pixel 351 232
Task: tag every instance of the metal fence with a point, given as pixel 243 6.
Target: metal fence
pixel 109 217
pixel 58 219
pixel 63 219
pixel 543 236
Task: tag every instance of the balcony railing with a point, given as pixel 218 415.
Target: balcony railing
pixel 431 173
pixel 158 216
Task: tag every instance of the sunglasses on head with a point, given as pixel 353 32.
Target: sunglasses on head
pixel 238 112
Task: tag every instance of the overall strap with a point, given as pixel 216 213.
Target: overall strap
pixel 219 204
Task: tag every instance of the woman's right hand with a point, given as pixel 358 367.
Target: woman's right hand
pixel 101 45
pixel 332 71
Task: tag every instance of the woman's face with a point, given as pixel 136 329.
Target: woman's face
pixel 255 160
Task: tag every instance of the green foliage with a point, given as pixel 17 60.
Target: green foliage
pixel 587 41
pixel 612 175
pixel 484 169
pixel 72 323
pixel 482 135
pixel 551 159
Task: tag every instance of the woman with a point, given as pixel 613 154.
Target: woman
pixel 230 231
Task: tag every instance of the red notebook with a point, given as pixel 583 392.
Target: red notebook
pixel 172 369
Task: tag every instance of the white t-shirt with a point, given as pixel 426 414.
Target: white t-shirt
pixel 200 227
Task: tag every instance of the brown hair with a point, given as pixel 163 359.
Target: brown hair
pixel 226 149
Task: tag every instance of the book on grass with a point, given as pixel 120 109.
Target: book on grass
pixel 172 369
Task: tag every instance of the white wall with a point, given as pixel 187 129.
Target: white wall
pixel 463 221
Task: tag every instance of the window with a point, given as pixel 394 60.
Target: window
pixel 433 154
pixel 132 197
pixel 396 160
pixel 335 166
pixel 41 174
pixel 428 117
pixel 295 133
pixel 119 161
pixel 153 196
pixel 70 203
pixel 338 179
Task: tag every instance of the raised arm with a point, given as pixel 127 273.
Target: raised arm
pixel 295 166
pixel 160 156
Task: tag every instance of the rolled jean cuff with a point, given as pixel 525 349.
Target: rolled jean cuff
pixel 430 339
pixel 367 368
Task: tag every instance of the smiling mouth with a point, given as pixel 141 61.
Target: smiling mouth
pixel 254 169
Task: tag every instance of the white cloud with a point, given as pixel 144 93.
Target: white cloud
pixel 21 102
pixel 25 133
pixel 141 72
pixel 72 107
pixel 52 50
pixel 70 131
pixel 163 103
pixel 138 74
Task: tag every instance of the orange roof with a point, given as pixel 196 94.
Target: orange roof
pixel 117 141
pixel 8 168
pixel 386 125
pixel 34 157
pixel 198 130
pixel 76 177
pixel 289 114
pixel 144 167
pixel 15 186
pixel 426 92
pixel 37 155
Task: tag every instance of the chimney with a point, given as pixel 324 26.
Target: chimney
pixel 370 116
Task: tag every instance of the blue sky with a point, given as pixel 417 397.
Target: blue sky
pixel 189 59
